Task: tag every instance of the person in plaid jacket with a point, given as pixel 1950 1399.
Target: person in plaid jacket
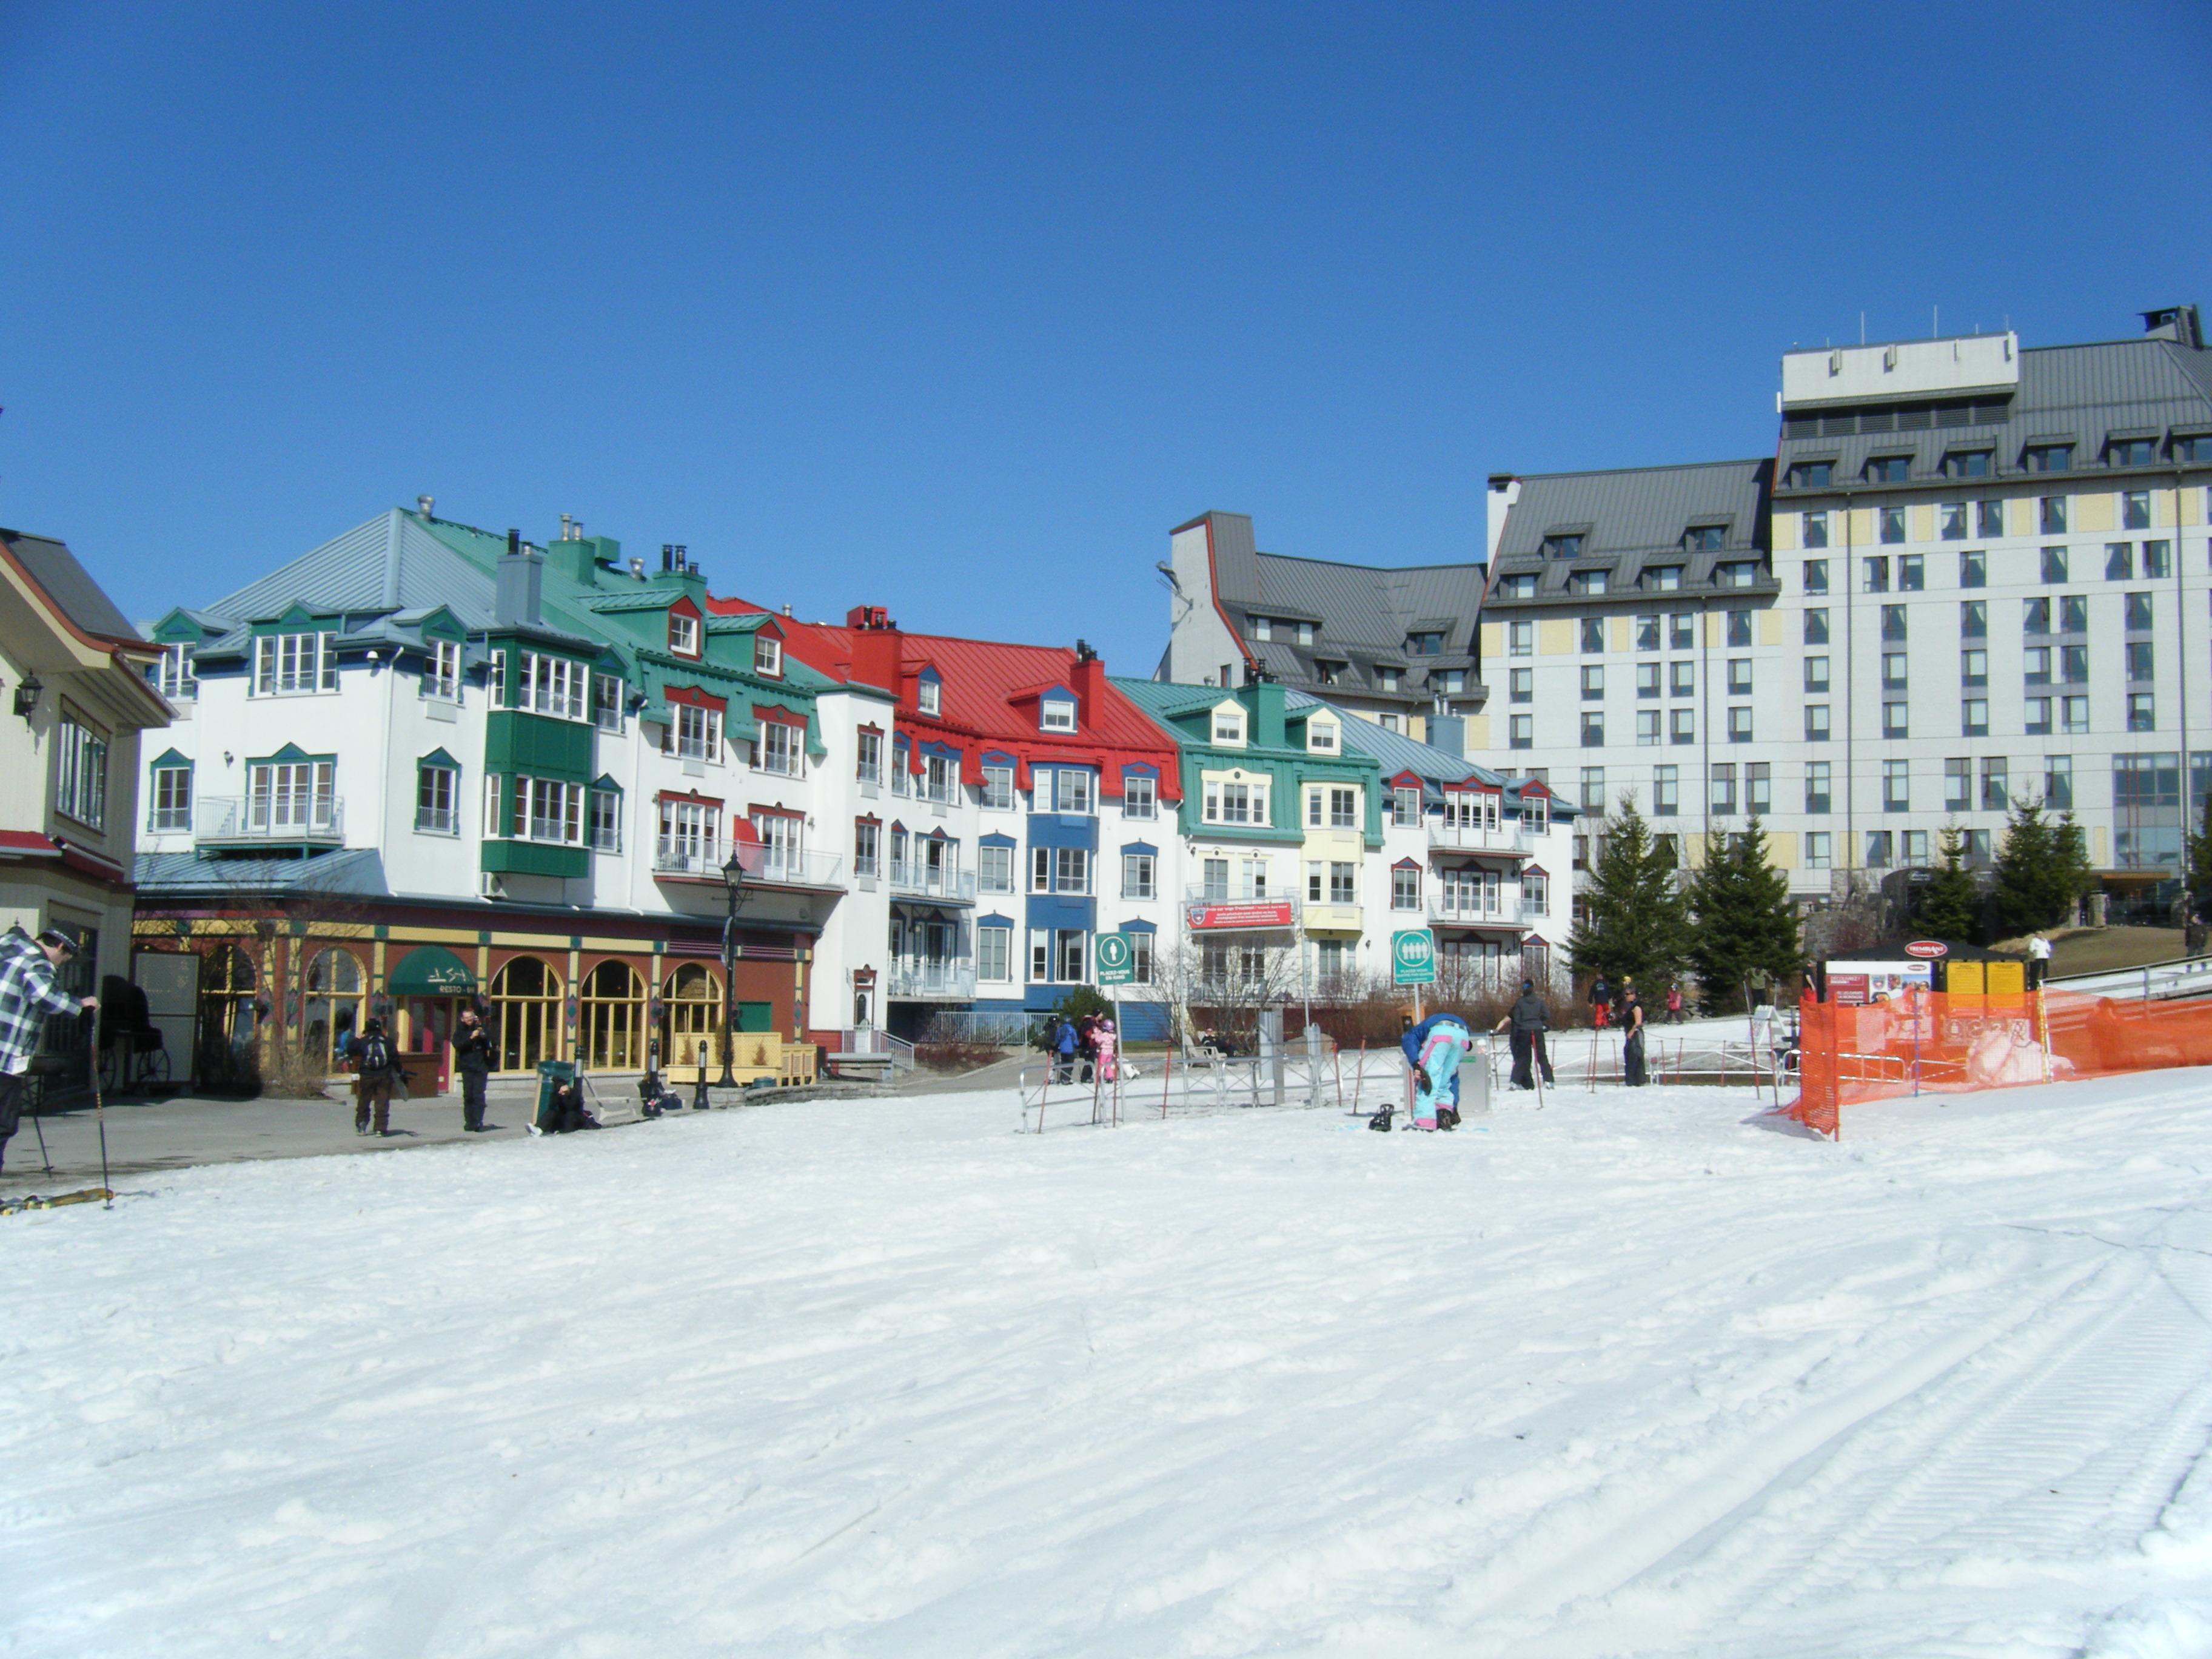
pixel 28 994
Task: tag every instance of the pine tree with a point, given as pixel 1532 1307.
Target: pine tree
pixel 1634 921
pixel 2071 846
pixel 2034 889
pixel 1747 928
pixel 1949 907
pixel 2199 872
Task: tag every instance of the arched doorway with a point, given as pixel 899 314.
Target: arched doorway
pixel 611 1013
pixel 228 982
pixel 690 1015
pixel 332 1006
pixel 526 1014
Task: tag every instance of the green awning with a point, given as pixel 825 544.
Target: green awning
pixel 430 970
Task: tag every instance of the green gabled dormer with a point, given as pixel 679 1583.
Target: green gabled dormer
pixel 1247 760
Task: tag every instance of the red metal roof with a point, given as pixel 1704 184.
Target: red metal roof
pixel 984 683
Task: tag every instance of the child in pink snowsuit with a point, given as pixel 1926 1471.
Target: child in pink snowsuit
pixel 1103 1039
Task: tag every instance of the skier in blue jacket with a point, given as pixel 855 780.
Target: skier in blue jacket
pixel 1416 1039
pixel 1437 1073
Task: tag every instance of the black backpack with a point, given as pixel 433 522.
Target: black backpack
pixel 375 1056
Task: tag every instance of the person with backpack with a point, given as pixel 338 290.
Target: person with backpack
pixel 472 1059
pixel 1631 1050
pixel 1105 1041
pixel 1062 1034
pixel 1601 1003
pixel 371 1089
pixel 1674 1004
pixel 1529 1019
pixel 29 992
pixel 1086 1046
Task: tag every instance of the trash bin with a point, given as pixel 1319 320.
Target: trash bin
pixel 551 1073
pixel 1474 1082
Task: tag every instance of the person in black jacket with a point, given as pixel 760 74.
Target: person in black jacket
pixel 472 1059
pixel 1529 1018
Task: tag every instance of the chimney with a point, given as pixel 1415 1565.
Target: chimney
pixel 2177 323
pixel 1090 687
pixel 786 607
pixel 667 556
pixel 519 579
pixel 564 526
pixel 637 568
pixel 424 504
pixel 876 647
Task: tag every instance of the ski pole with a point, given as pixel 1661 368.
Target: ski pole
pixel 100 1116
pixel 37 1112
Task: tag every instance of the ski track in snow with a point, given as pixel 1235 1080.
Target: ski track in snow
pixel 1631 1375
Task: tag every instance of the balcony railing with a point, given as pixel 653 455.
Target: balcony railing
pixel 1235 892
pixel 1508 837
pixel 913 877
pixel 1473 910
pixel 951 980
pixel 282 820
pixel 703 861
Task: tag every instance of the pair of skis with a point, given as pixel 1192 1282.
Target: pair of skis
pixel 102 1192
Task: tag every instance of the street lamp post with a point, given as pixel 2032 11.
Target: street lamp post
pixel 734 878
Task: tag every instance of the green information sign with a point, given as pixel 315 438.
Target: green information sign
pixel 1115 959
pixel 1413 957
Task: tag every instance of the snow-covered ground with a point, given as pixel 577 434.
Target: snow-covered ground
pixel 1630 1375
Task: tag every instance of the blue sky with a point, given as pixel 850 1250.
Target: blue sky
pixel 959 310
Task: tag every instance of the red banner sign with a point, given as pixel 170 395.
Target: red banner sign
pixel 1269 914
pixel 1927 949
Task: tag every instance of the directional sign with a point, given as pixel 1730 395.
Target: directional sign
pixel 1115 960
pixel 1413 957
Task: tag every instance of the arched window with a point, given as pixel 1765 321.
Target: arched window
pixel 691 1014
pixel 526 1014
pixel 332 1006
pixel 611 1011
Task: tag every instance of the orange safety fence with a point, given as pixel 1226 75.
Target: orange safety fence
pixel 1942 1043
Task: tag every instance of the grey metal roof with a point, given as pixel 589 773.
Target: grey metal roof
pixel 355 872
pixel 69 585
pixel 2086 394
pixel 1644 509
pixel 391 562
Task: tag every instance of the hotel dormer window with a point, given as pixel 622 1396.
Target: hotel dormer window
pixel 682 634
pixel 929 697
pixel 1425 645
pixel 1321 737
pixel 1228 726
pixel 1565 545
pixel 1705 538
pixel 1811 475
pixel 1056 715
pixel 2049 458
pixel 767 656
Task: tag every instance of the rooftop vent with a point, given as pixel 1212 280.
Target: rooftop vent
pixel 424 504
pixel 2175 323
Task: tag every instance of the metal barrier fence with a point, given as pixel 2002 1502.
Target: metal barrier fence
pixel 1304 1072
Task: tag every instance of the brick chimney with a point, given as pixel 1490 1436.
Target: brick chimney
pixel 876 647
pixel 1090 687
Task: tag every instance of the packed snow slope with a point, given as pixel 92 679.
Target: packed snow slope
pixel 1634 1375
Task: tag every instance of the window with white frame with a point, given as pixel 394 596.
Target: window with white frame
pixel 1070 948
pixel 1536 892
pixel 781 748
pixel 690 832
pixel 868 847
pixel 1343 809
pixel 442 670
pixel 767 656
pixel 1140 957
pixel 1059 870
pixel 868 764
pixel 291 795
pixel 1056 715
pixel 548 810
pixel 929 695
pixel 606 821
pixel 437 799
pixel 1137 875
pixel 693 732
pixel 941 779
pixel 174 676
pixel 1535 815
pixel 552 685
pixel 1229 725
pixel 172 804
pixel 1406 807
pixel 1227 802
pixel 994 953
pixel 1406 887
pixel 682 634
pixel 292 664
pixel 81 771
pixel 607 702
pixel 1071 790
pixel 998 789
pixel 902 778
pixel 994 869
pixel 1321 737
pixel 1139 798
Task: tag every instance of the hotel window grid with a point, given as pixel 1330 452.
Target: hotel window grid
pixel 2141 661
pixel 1682 725
pixel 1523 684
pixel 1916 847
pixel 1738 723
pixel 1593 792
pixel 2135 611
pixel 1812 475
pixel 1705 538
pixel 1973 570
pixel 1816 722
pixel 1405 889
pixel 1974 668
pixel 1888 469
pixel 1521 732
pixel 1647 633
pixel 1893 624
pixel 1758 789
pixel 1593 729
pixel 1967 463
pixel 1647 679
pixel 1816 627
pixel 1896 786
pixel 694 733
pixel 1661 579
pixel 1520 638
pixel 2052 515
pixel 548 810
pixel 1878 843
pixel 867 849
pixel 1683 631
pixel 2120 561
pixel 2037 719
pixel 2074 715
pixel 1139 798
pixel 1666 791
pixel 994 869
pixel 1896 720
pixel 1593 634
pixel 1816 535
pixel 1817 854
pixel 1681 679
pixel 1593 684
pixel 1996 793
pixel 442 670
pixel 2073 613
pixel 1989 519
pixel 2058 782
pixel 437 796
pixel 1816 575
pixel 2074 663
pixel 1816 787
pixel 1723 789
pixel 1958 784
pixel 1739 677
pixel 2157 560
pixel 2142 711
pixel 1974 717
pixel 1951 521
pixel 1893 524
pixel 1071 793
pixel 1911 573
pixel 1816 674
pixel 1874 574
pixel 2134 509
pixel 1738 630
pixel 293 665
pixel 1647 728
pixel 2054 564
pixel 1974 619
pixel 2049 458
pixel 174 675
pixel 998 789
pixel 682 634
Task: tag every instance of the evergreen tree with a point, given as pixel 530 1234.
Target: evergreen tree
pixel 2198 873
pixel 2071 846
pixel 1633 919
pixel 1747 928
pixel 2034 889
pixel 1950 907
